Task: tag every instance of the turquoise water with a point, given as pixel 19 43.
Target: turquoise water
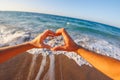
pixel 37 20
pixel 18 27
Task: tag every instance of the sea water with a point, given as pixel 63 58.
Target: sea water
pixel 19 27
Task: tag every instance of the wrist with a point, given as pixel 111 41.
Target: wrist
pixel 78 49
pixel 31 45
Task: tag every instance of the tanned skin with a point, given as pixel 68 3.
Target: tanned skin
pixel 109 66
pixel 7 53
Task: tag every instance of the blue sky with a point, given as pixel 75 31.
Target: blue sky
pixel 104 11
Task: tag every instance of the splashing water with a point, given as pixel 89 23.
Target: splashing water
pixel 50 75
pixel 19 27
pixel 43 63
pixel 51 70
pixel 31 72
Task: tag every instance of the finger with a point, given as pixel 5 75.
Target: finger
pixel 61 48
pixel 67 37
pixel 64 33
pixel 47 32
pixel 51 35
pixel 58 34
pixel 46 46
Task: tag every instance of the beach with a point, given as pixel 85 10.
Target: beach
pixel 42 64
pixel 22 67
pixel 19 27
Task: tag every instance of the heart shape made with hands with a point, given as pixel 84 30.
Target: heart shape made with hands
pixel 48 39
pixel 54 39
pixel 56 43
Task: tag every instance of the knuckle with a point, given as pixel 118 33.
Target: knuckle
pixel 46 30
pixel 62 29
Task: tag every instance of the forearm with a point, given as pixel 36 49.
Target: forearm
pixel 105 64
pixel 11 51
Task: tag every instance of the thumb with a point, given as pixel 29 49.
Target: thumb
pixel 61 48
pixel 46 46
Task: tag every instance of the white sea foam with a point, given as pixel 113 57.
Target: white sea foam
pixel 51 71
pixel 12 36
pixel 43 63
pixel 32 69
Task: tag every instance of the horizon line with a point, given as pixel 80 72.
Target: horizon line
pixel 61 16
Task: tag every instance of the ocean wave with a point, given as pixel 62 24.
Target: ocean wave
pixel 14 36
pixel 25 28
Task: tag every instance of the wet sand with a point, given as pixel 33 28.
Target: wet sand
pixel 34 67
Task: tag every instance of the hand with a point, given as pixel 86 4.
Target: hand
pixel 70 45
pixel 38 41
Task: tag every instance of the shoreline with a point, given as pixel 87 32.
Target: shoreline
pixel 64 69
